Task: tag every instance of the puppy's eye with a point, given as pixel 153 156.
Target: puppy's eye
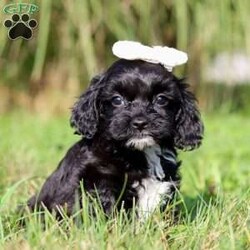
pixel 161 100
pixel 117 101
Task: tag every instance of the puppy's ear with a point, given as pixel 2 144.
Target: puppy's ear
pixel 189 127
pixel 85 114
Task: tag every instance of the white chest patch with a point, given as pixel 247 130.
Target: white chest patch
pixel 150 195
pixel 153 189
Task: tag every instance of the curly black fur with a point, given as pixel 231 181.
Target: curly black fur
pixel 112 148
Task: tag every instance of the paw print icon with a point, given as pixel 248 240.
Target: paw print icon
pixel 20 26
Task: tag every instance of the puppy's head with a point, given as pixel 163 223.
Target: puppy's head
pixel 138 104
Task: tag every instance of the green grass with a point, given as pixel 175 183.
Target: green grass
pixel 214 199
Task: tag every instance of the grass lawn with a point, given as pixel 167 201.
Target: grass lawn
pixel 214 199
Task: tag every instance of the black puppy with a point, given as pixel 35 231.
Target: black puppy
pixel 132 118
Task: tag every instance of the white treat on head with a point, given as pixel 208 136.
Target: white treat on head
pixel 168 57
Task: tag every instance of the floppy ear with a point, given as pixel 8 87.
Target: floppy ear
pixel 85 115
pixel 189 127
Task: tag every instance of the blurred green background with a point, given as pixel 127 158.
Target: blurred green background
pixel 73 42
pixel 41 78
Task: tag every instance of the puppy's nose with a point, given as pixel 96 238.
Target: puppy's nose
pixel 139 123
